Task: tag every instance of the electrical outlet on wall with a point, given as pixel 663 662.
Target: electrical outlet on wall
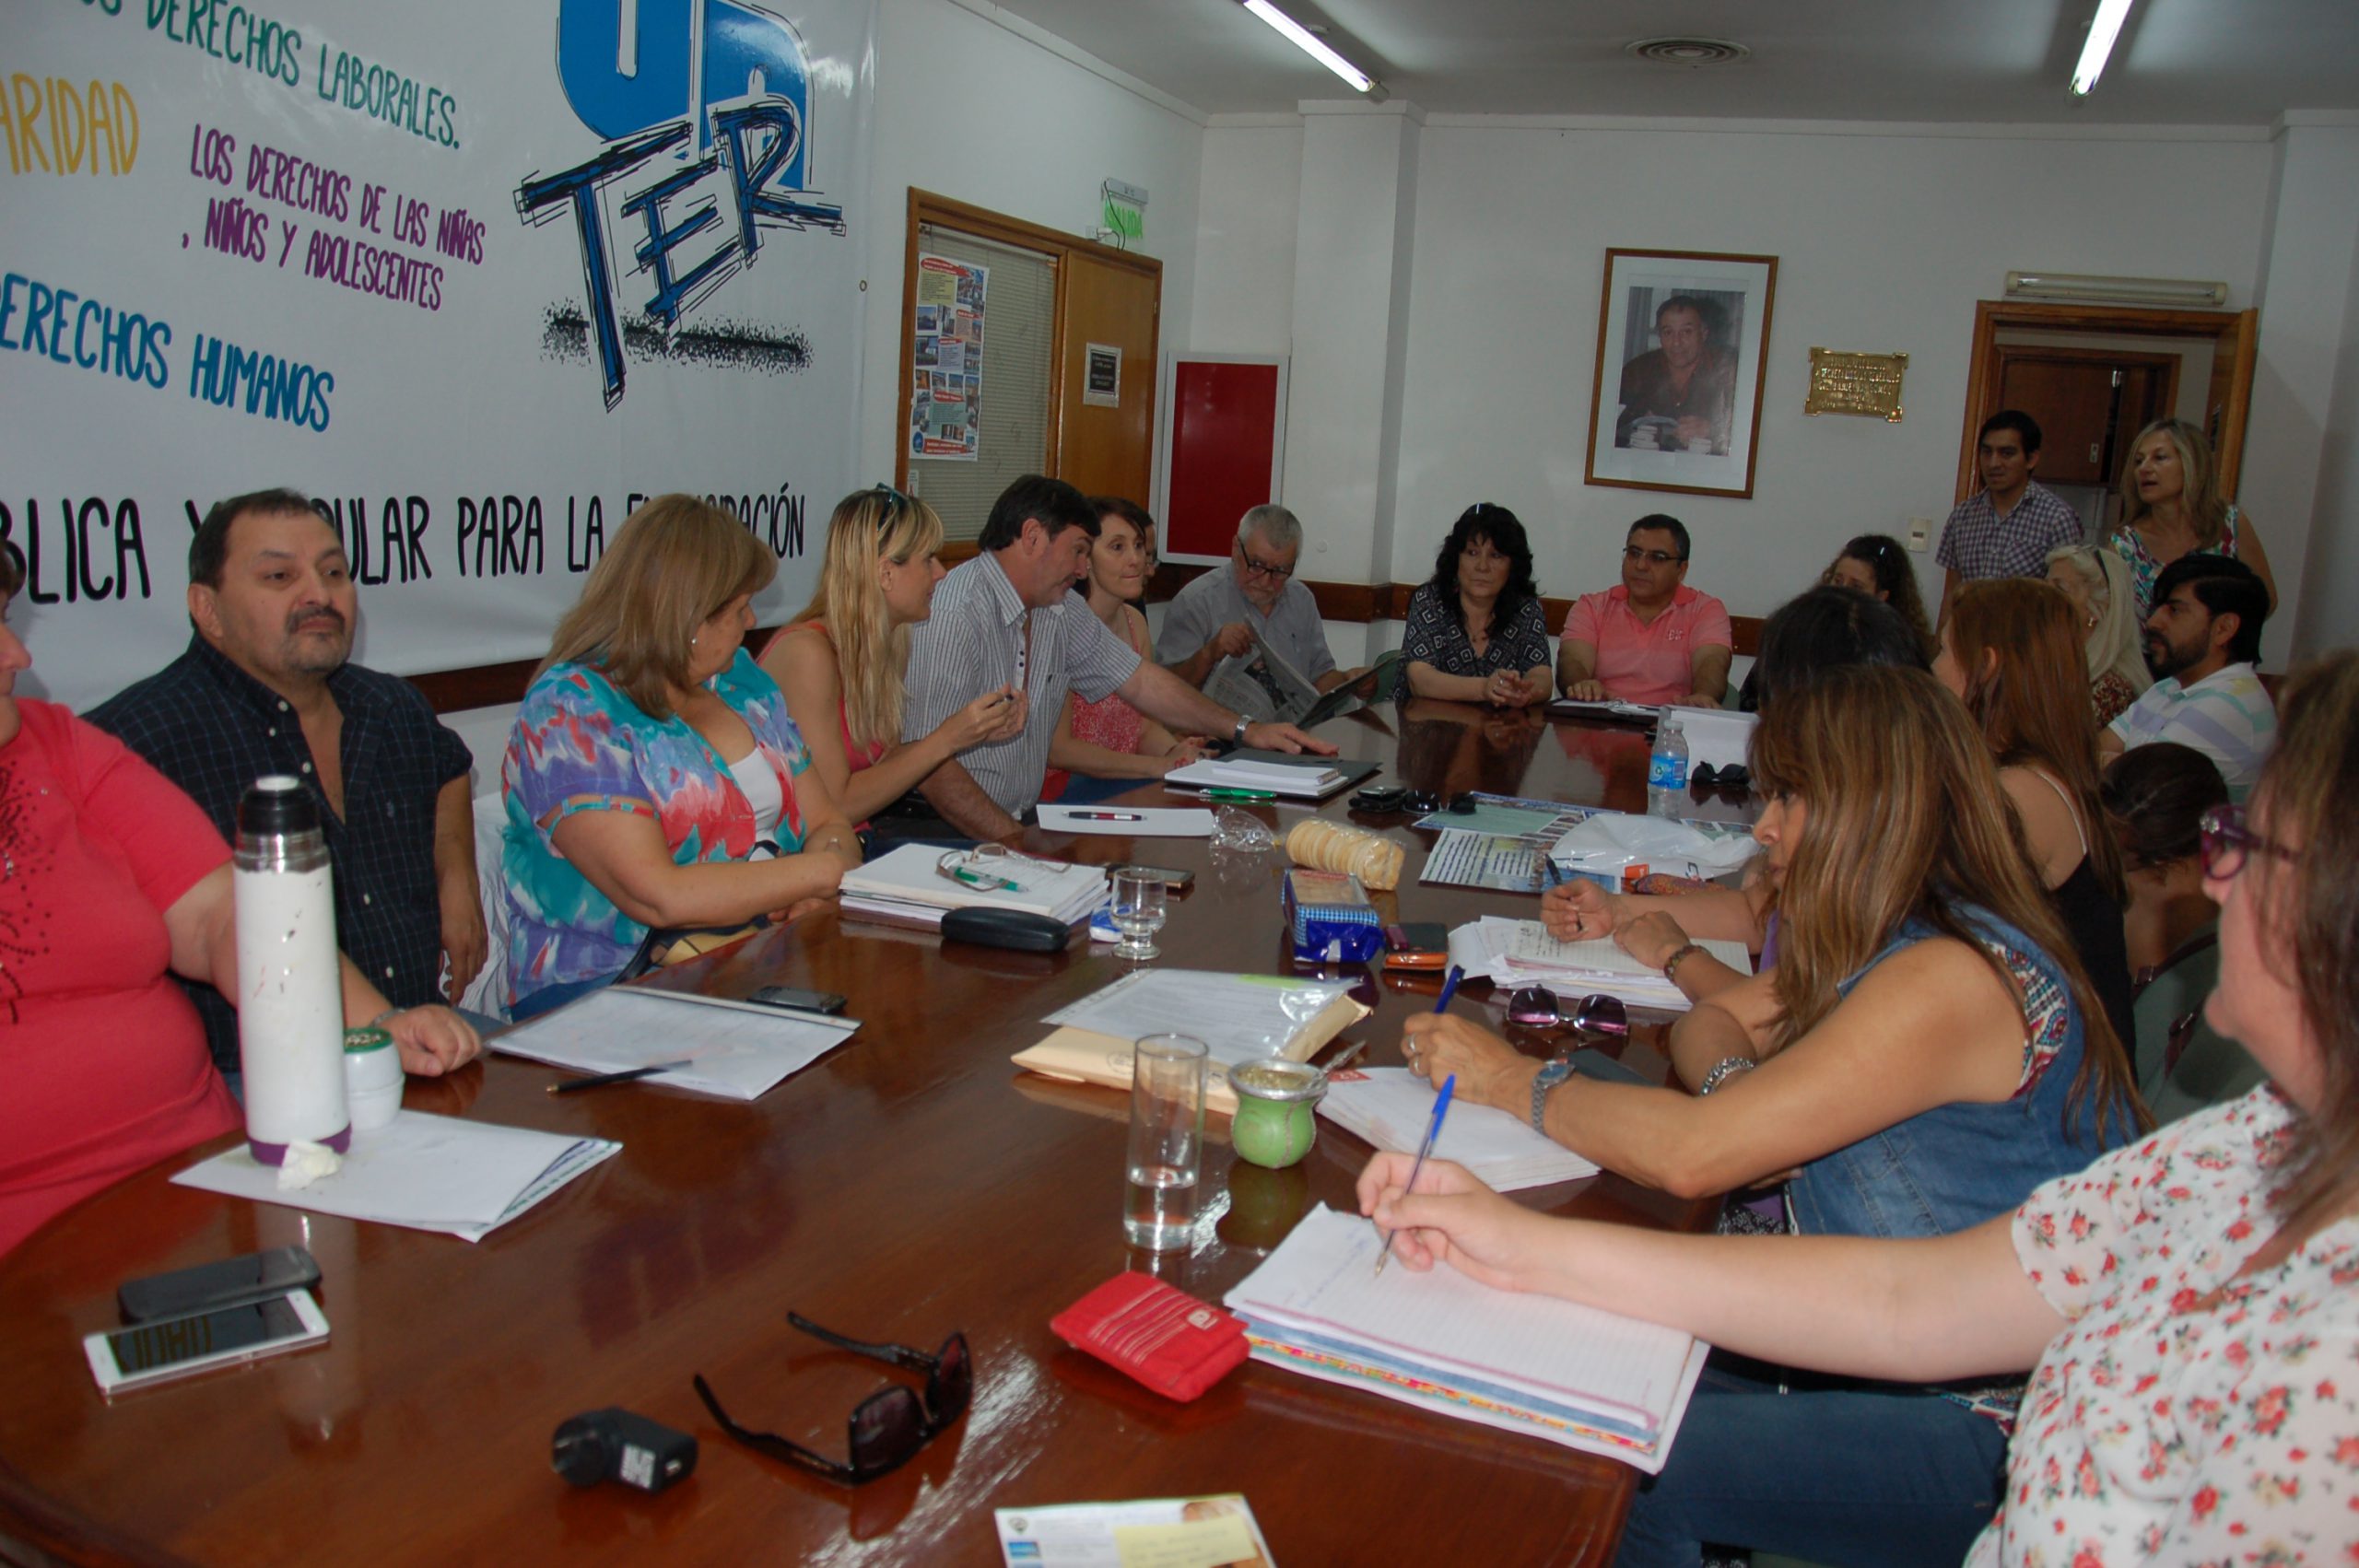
pixel 1920 533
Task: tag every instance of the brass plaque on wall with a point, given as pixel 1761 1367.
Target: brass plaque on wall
pixel 1856 383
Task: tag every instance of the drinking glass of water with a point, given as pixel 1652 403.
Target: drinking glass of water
pixel 1138 912
pixel 1167 1141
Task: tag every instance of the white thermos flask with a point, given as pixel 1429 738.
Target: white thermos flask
pixel 290 992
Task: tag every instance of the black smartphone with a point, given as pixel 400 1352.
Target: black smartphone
pixel 801 1001
pixel 230 1282
pixel 1171 878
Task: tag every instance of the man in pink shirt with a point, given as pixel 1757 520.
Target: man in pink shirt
pixel 1654 639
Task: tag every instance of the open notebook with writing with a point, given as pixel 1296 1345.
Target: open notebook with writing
pixel 1574 1375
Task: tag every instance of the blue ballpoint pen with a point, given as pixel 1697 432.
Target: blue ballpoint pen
pixel 1433 1130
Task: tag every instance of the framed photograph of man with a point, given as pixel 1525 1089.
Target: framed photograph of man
pixel 1679 368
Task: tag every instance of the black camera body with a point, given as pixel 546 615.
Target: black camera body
pixel 614 1445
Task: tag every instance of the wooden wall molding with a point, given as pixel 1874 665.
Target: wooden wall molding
pixel 491 685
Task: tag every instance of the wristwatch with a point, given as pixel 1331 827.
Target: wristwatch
pixel 1238 734
pixel 1551 1074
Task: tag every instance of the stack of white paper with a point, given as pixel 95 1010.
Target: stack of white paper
pixel 429 1173
pixel 907 886
pixel 735 1049
pixel 1305 782
pixel 1391 1105
pixel 1522 952
pixel 1577 1376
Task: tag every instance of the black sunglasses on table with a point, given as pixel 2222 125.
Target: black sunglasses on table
pixel 886 1429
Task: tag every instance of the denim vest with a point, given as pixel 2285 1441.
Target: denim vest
pixel 1956 1165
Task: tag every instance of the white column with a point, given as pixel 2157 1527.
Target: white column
pixel 2299 446
pixel 1352 239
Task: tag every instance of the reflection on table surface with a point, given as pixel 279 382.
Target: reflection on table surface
pixel 909 1185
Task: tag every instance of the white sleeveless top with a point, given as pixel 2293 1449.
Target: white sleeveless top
pixel 759 780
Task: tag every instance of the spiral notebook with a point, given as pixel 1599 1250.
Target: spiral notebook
pixel 1577 1375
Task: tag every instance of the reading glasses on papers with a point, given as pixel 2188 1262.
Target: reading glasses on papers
pixel 991 867
pixel 886 1429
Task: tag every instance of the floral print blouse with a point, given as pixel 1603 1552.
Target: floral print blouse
pixel 2163 1428
pixel 582 744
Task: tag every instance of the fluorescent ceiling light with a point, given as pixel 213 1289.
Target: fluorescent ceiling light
pixel 2190 292
pixel 2103 30
pixel 1302 38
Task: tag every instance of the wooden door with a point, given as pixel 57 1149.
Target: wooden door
pixel 2089 403
pixel 1106 403
pixel 2229 397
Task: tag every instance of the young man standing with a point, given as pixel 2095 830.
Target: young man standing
pixel 2007 527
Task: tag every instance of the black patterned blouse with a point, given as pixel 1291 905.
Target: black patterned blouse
pixel 1433 638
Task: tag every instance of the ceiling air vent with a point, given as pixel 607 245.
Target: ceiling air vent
pixel 1689 50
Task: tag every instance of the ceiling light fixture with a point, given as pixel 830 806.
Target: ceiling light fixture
pixel 2193 293
pixel 1302 38
pixel 2104 27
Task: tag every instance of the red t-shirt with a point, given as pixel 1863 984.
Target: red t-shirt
pixel 103 1057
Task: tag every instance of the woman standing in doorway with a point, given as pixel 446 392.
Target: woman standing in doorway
pixel 2171 505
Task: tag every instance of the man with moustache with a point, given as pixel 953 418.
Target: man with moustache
pixel 266 687
pixel 2201 642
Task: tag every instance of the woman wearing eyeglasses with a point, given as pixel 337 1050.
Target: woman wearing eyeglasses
pixel 1924 1053
pixel 2186 1304
pixel 654 778
pixel 843 662
pixel 1475 632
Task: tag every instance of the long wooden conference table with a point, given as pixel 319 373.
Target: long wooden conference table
pixel 910 1185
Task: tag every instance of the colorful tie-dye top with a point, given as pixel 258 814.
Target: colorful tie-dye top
pixel 582 744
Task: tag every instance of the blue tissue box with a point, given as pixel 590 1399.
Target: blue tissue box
pixel 1330 917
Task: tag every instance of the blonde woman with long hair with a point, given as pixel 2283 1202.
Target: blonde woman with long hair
pixel 2171 506
pixel 842 662
pixel 1925 1053
pixel 654 778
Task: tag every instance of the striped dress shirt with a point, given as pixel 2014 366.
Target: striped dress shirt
pixel 972 643
pixel 2226 716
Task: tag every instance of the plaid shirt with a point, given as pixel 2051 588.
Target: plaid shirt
pixel 1978 542
pixel 213 729
pixel 969 644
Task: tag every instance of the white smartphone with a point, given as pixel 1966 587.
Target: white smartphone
pixel 149 1353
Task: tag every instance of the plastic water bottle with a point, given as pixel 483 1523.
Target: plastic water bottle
pixel 1667 770
pixel 291 990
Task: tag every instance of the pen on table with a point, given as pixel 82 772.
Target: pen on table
pixel 1433 1130
pixel 1108 816
pixel 1240 794
pixel 602 1079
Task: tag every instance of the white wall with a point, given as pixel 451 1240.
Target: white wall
pixel 1885 242
pixel 2328 609
pixel 1245 213
pixel 985 110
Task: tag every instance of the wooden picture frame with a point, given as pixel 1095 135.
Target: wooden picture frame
pixel 1685 335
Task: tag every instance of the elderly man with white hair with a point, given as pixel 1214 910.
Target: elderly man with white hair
pixel 1219 615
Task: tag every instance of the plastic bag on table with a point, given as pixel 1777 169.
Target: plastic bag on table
pixel 1609 843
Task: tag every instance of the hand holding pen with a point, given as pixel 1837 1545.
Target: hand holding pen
pixel 1441 1103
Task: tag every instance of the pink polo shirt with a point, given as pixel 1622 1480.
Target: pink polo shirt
pixel 1642 662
